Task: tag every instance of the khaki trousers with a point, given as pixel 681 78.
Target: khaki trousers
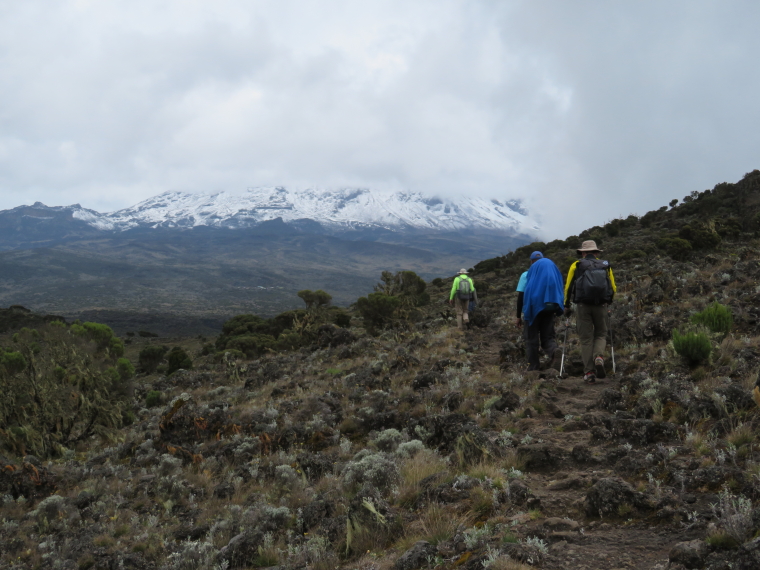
pixel 462 306
pixel 592 330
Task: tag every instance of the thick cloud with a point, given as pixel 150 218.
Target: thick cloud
pixel 588 110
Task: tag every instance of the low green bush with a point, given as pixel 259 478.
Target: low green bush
pixel 676 247
pixel 694 346
pixel 700 237
pixel 482 267
pixel 178 359
pixel 102 336
pixel 631 254
pixel 316 298
pixel 377 309
pixel 153 398
pixel 716 317
pixel 150 357
pixel 125 369
pixel 13 362
pixel 342 319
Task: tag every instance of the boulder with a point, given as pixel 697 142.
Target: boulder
pixel 415 557
pixel 557 524
pixel 425 380
pixel 608 494
pixel 610 400
pixel 538 456
pixel 690 554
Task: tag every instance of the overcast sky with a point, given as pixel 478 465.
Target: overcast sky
pixel 588 110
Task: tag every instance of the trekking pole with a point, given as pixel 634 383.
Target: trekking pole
pixel 612 344
pixel 564 344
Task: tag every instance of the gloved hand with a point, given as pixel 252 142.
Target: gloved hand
pixel 568 311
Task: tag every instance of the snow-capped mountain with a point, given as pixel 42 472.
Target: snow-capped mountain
pixel 345 208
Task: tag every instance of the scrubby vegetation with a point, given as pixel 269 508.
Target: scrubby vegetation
pixel 60 386
pixel 392 441
pixel 694 346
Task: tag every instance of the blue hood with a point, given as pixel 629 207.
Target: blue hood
pixel 544 286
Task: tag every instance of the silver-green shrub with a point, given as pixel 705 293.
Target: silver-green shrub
pixel 388 440
pixel 378 469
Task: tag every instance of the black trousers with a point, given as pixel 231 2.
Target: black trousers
pixel 541 331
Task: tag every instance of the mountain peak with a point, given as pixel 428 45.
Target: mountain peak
pixel 343 208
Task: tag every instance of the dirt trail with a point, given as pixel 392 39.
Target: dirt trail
pixel 561 487
pixel 602 544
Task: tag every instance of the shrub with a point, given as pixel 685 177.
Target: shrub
pixel 342 319
pixel 631 254
pixel 406 285
pixel 612 228
pixel 700 237
pixel 693 346
pixel 13 362
pixel 102 336
pixel 677 248
pixel 253 336
pixel 178 359
pixel 377 309
pixel 153 398
pixel 388 440
pixel 251 344
pixel 734 516
pixel 438 282
pixel 716 317
pixel 125 369
pixel 482 267
pixel 409 448
pixel 150 357
pixel 378 469
pixel 57 390
pixel 316 298
pixel 647 219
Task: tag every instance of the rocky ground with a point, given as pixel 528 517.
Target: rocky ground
pixel 427 448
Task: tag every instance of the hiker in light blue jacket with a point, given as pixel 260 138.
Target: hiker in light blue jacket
pixel 542 300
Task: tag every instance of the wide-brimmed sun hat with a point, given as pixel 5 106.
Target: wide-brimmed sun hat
pixel 589 245
pixel 462 271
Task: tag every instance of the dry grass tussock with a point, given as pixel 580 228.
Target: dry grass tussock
pixel 506 563
pixel 436 524
pixel 414 470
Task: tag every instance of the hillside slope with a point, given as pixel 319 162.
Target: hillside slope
pixel 425 448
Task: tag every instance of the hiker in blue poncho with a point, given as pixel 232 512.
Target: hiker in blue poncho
pixel 542 300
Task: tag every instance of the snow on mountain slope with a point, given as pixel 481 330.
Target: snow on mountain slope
pixel 333 208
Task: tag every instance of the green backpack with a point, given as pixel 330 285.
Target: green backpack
pixel 464 292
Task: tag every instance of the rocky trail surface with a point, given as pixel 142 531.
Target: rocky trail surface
pixel 578 441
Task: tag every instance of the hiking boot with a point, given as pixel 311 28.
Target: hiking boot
pixel 599 366
pixel 589 378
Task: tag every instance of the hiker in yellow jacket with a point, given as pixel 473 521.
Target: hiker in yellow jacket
pixel 591 286
pixel 462 292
